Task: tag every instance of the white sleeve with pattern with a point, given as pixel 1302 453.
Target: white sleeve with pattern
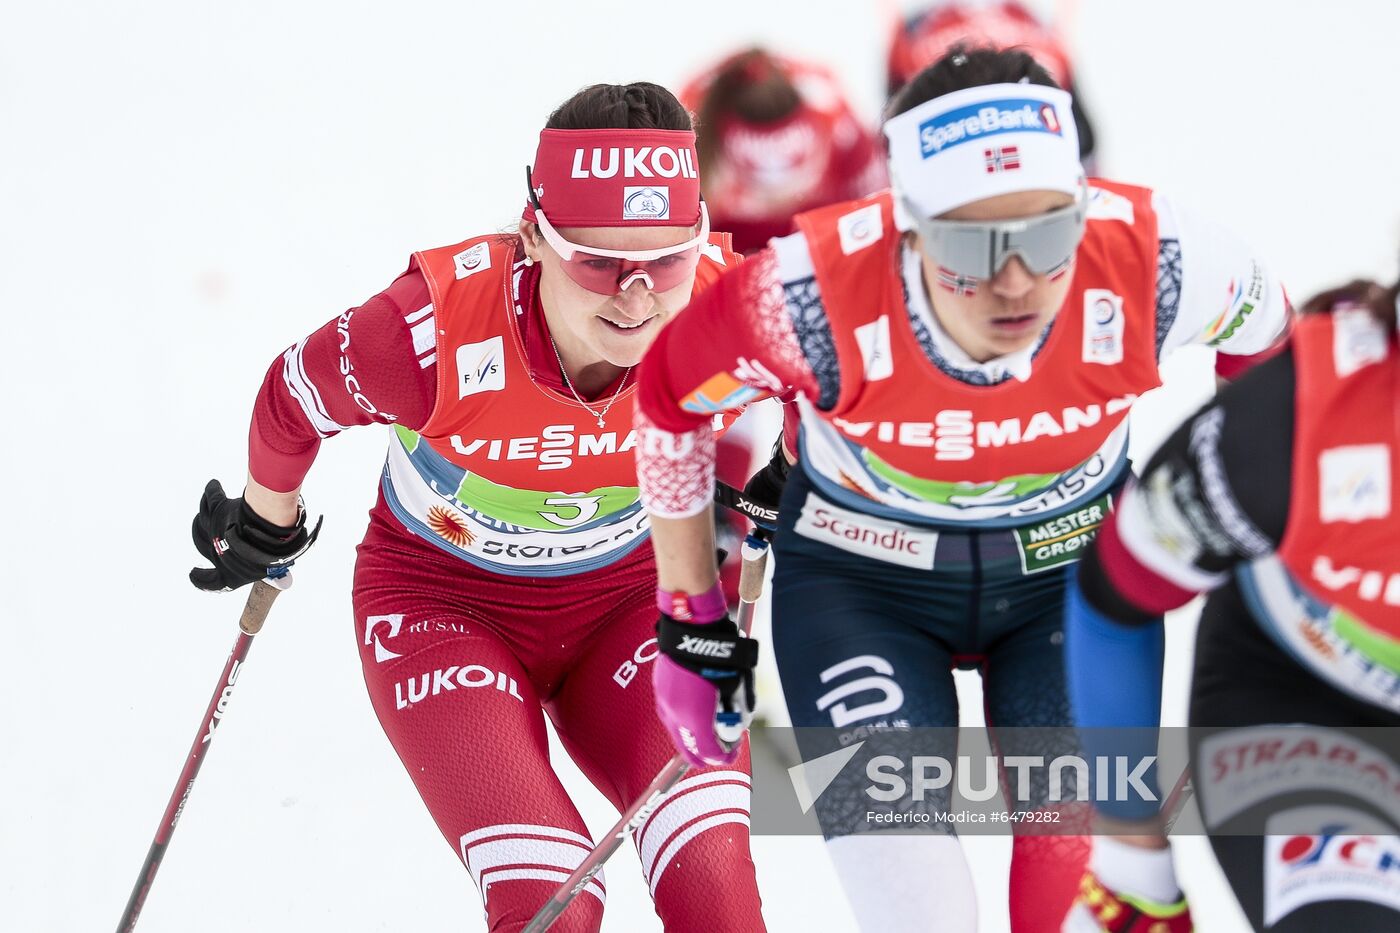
pixel 1230 300
pixel 675 472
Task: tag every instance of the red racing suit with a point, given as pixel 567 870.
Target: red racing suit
pixel 506 574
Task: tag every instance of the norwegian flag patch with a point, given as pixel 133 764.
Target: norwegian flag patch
pixel 1002 158
pixel 956 283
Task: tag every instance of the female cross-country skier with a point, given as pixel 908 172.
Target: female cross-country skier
pixel 507 568
pixel 1281 498
pixel 966 347
pixel 776 136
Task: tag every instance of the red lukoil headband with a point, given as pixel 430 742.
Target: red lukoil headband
pixel 616 178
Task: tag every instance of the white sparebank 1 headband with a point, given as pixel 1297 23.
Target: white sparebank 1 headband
pixel 981 142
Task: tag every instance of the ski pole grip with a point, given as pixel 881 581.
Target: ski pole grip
pixel 755 554
pixel 259 602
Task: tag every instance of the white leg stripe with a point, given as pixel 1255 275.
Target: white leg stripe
pixel 427 361
pixel 707 793
pixel 520 852
pixel 695 829
pixel 418 315
pixel 522 829
pixel 498 875
pixel 513 851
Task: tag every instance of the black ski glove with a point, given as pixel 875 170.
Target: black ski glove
pixel 766 486
pixel 241 544
pixel 717 652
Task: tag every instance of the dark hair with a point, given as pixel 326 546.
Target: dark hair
pixel 640 105
pixel 1378 299
pixel 1385 307
pixel 753 86
pixel 973 66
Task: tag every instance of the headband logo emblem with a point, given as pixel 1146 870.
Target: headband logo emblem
pixel 976 121
pixel 646 203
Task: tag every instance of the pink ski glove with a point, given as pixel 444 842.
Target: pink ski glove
pixel 703 678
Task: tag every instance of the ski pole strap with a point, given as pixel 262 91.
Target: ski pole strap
pixel 731 498
pixel 713 650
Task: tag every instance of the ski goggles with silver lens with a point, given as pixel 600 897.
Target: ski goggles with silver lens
pixel 980 248
pixel 612 271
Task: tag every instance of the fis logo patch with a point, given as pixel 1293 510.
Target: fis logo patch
pixel 1354 483
pixel 978 121
pixel 481 367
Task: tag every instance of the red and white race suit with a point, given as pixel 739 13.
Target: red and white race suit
pixel 506 574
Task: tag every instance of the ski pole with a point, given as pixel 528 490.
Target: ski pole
pixel 1175 803
pixel 254 613
pixel 750 589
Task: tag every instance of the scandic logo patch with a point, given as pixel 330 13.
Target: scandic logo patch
pixel 866 535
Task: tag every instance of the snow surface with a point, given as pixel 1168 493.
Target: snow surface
pixel 186 188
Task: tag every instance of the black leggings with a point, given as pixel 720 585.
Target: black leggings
pixel 1243 678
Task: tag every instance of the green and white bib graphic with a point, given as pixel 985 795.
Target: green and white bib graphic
pixel 858 478
pixel 1333 643
pixel 507 529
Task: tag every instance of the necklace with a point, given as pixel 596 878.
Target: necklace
pixel 568 384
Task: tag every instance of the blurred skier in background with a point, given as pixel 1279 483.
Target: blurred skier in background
pixel 922 38
pixel 777 137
